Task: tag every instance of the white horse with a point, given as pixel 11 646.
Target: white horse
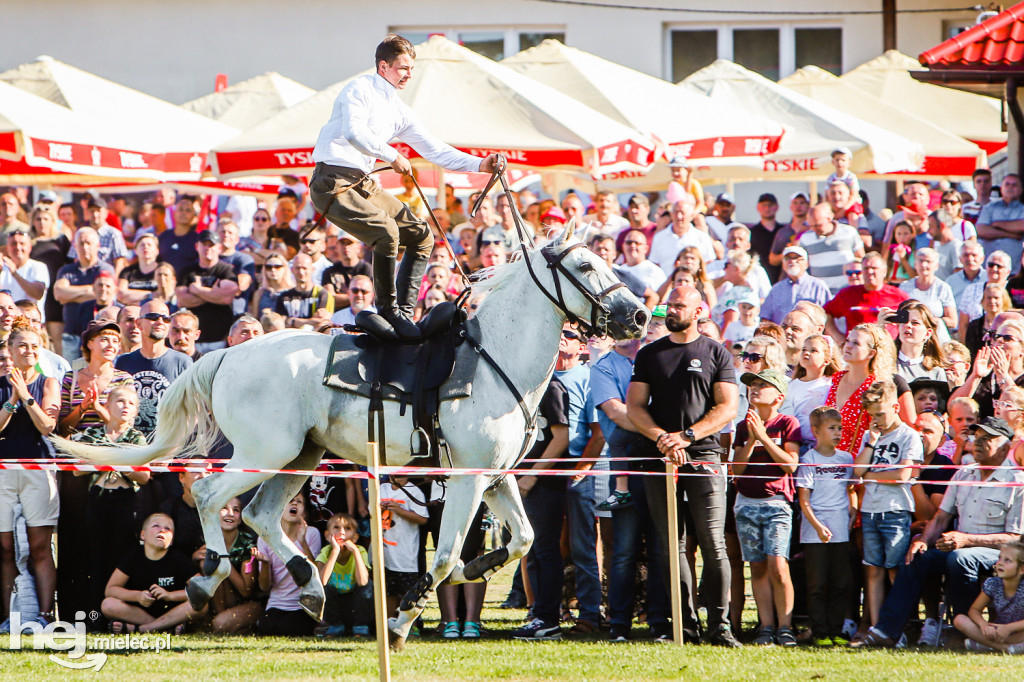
pixel 267 398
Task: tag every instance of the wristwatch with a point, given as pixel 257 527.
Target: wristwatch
pixel 690 435
pixel 30 402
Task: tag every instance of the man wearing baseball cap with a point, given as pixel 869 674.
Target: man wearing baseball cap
pixel 762 233
pixel 986 499
pixel 208 290
pixel 795 285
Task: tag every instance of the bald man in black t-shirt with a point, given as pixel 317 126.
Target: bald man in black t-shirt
pixel 682 394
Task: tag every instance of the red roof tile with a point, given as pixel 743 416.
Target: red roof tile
pixel 995 44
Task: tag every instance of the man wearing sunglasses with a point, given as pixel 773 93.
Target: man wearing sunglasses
pixel 367 115
pixel 154 366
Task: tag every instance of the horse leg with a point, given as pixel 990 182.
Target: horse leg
pixel 504 501
pixel 263 515
pixel 211 494
pixel 461 503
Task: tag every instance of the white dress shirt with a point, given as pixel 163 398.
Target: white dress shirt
pixel 666 245
pixel 367 115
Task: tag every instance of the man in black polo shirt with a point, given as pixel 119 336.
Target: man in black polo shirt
pixel 683 392
pixel 208 290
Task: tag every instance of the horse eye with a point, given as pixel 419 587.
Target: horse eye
pixel 586 267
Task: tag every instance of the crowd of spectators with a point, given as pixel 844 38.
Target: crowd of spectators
pixel 865 464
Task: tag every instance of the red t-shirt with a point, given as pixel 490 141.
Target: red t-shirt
pixel 763 476
pixel 858 305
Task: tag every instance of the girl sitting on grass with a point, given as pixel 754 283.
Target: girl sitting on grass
pixel 1004 598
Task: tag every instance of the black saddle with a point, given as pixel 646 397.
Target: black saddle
pixel 411 371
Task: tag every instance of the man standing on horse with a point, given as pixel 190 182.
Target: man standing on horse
pixel 367 115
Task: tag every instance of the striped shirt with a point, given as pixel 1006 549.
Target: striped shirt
pixel 827 256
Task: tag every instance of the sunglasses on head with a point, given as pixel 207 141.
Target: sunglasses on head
pixel 751 357
pixel 153 317
pixel 570 334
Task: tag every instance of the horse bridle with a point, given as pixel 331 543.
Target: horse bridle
pixel 599 311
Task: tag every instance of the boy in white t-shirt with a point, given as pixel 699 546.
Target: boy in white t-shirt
pixel 402 517
pixel 886 464
pixel 743 328
pixel 829 507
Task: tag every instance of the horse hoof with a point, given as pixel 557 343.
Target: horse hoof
pixel 313 604
pixel 197 597
pixel 396 641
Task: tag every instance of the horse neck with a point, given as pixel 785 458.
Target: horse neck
pixel 521 330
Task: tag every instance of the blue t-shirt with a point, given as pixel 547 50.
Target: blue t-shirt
pixel 581 407
pixel 242 263
pixel 152 378
pixel 180 252
pixel 609 380
pixel 76 276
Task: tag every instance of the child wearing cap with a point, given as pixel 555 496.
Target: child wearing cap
pixel 766 456
pixel 743 328
pixel 886 463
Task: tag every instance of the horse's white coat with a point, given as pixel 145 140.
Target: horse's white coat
pixel 268 399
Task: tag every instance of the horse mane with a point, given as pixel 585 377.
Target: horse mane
pixel 493 278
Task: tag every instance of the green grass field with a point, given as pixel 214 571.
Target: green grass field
pixel 203 658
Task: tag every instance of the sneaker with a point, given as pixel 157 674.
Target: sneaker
pixel 875 639
pixel 725 638
pixel 765 638
pixel 840 640
pixel 930 633
pixel 785 637
pixel 471 630
pixel 515 600
pixel 538 630
pixel 823 641
pixel 616 500
pixel 849 630
pixel 451 630
pixel 360 630
pixel 1015 649
pixel 977 647
pixel 620 633
pixel 335 631
pixel 5 627
pixel 662 632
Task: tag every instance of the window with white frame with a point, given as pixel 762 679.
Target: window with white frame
pixel 772 51
pixel 494 43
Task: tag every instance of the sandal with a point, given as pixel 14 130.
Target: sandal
pixel 451 630
pixel 471 630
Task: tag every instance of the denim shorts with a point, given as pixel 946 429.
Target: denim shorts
pixel 764 529
pixel 886 538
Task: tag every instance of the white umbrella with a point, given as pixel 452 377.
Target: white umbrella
pixel 973 117
pixel 946 154
pixel 251 101
pixel 813 129
pixel 688 124
pixel 468 101
pixel 111 130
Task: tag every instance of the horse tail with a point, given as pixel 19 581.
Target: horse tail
pixel 185 422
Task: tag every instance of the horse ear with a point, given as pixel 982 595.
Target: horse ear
pixel 569 229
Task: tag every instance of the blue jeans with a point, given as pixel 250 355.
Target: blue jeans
pixel 630 527
pixel 886 538
pixel 961 568
pixel 71 346
pixel 545 508
pixel 764 530
pixel 580 505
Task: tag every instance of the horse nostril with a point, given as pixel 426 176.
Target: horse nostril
pixel 640 317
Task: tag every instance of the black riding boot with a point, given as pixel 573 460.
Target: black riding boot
pixel 410 278
pixel 384 292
